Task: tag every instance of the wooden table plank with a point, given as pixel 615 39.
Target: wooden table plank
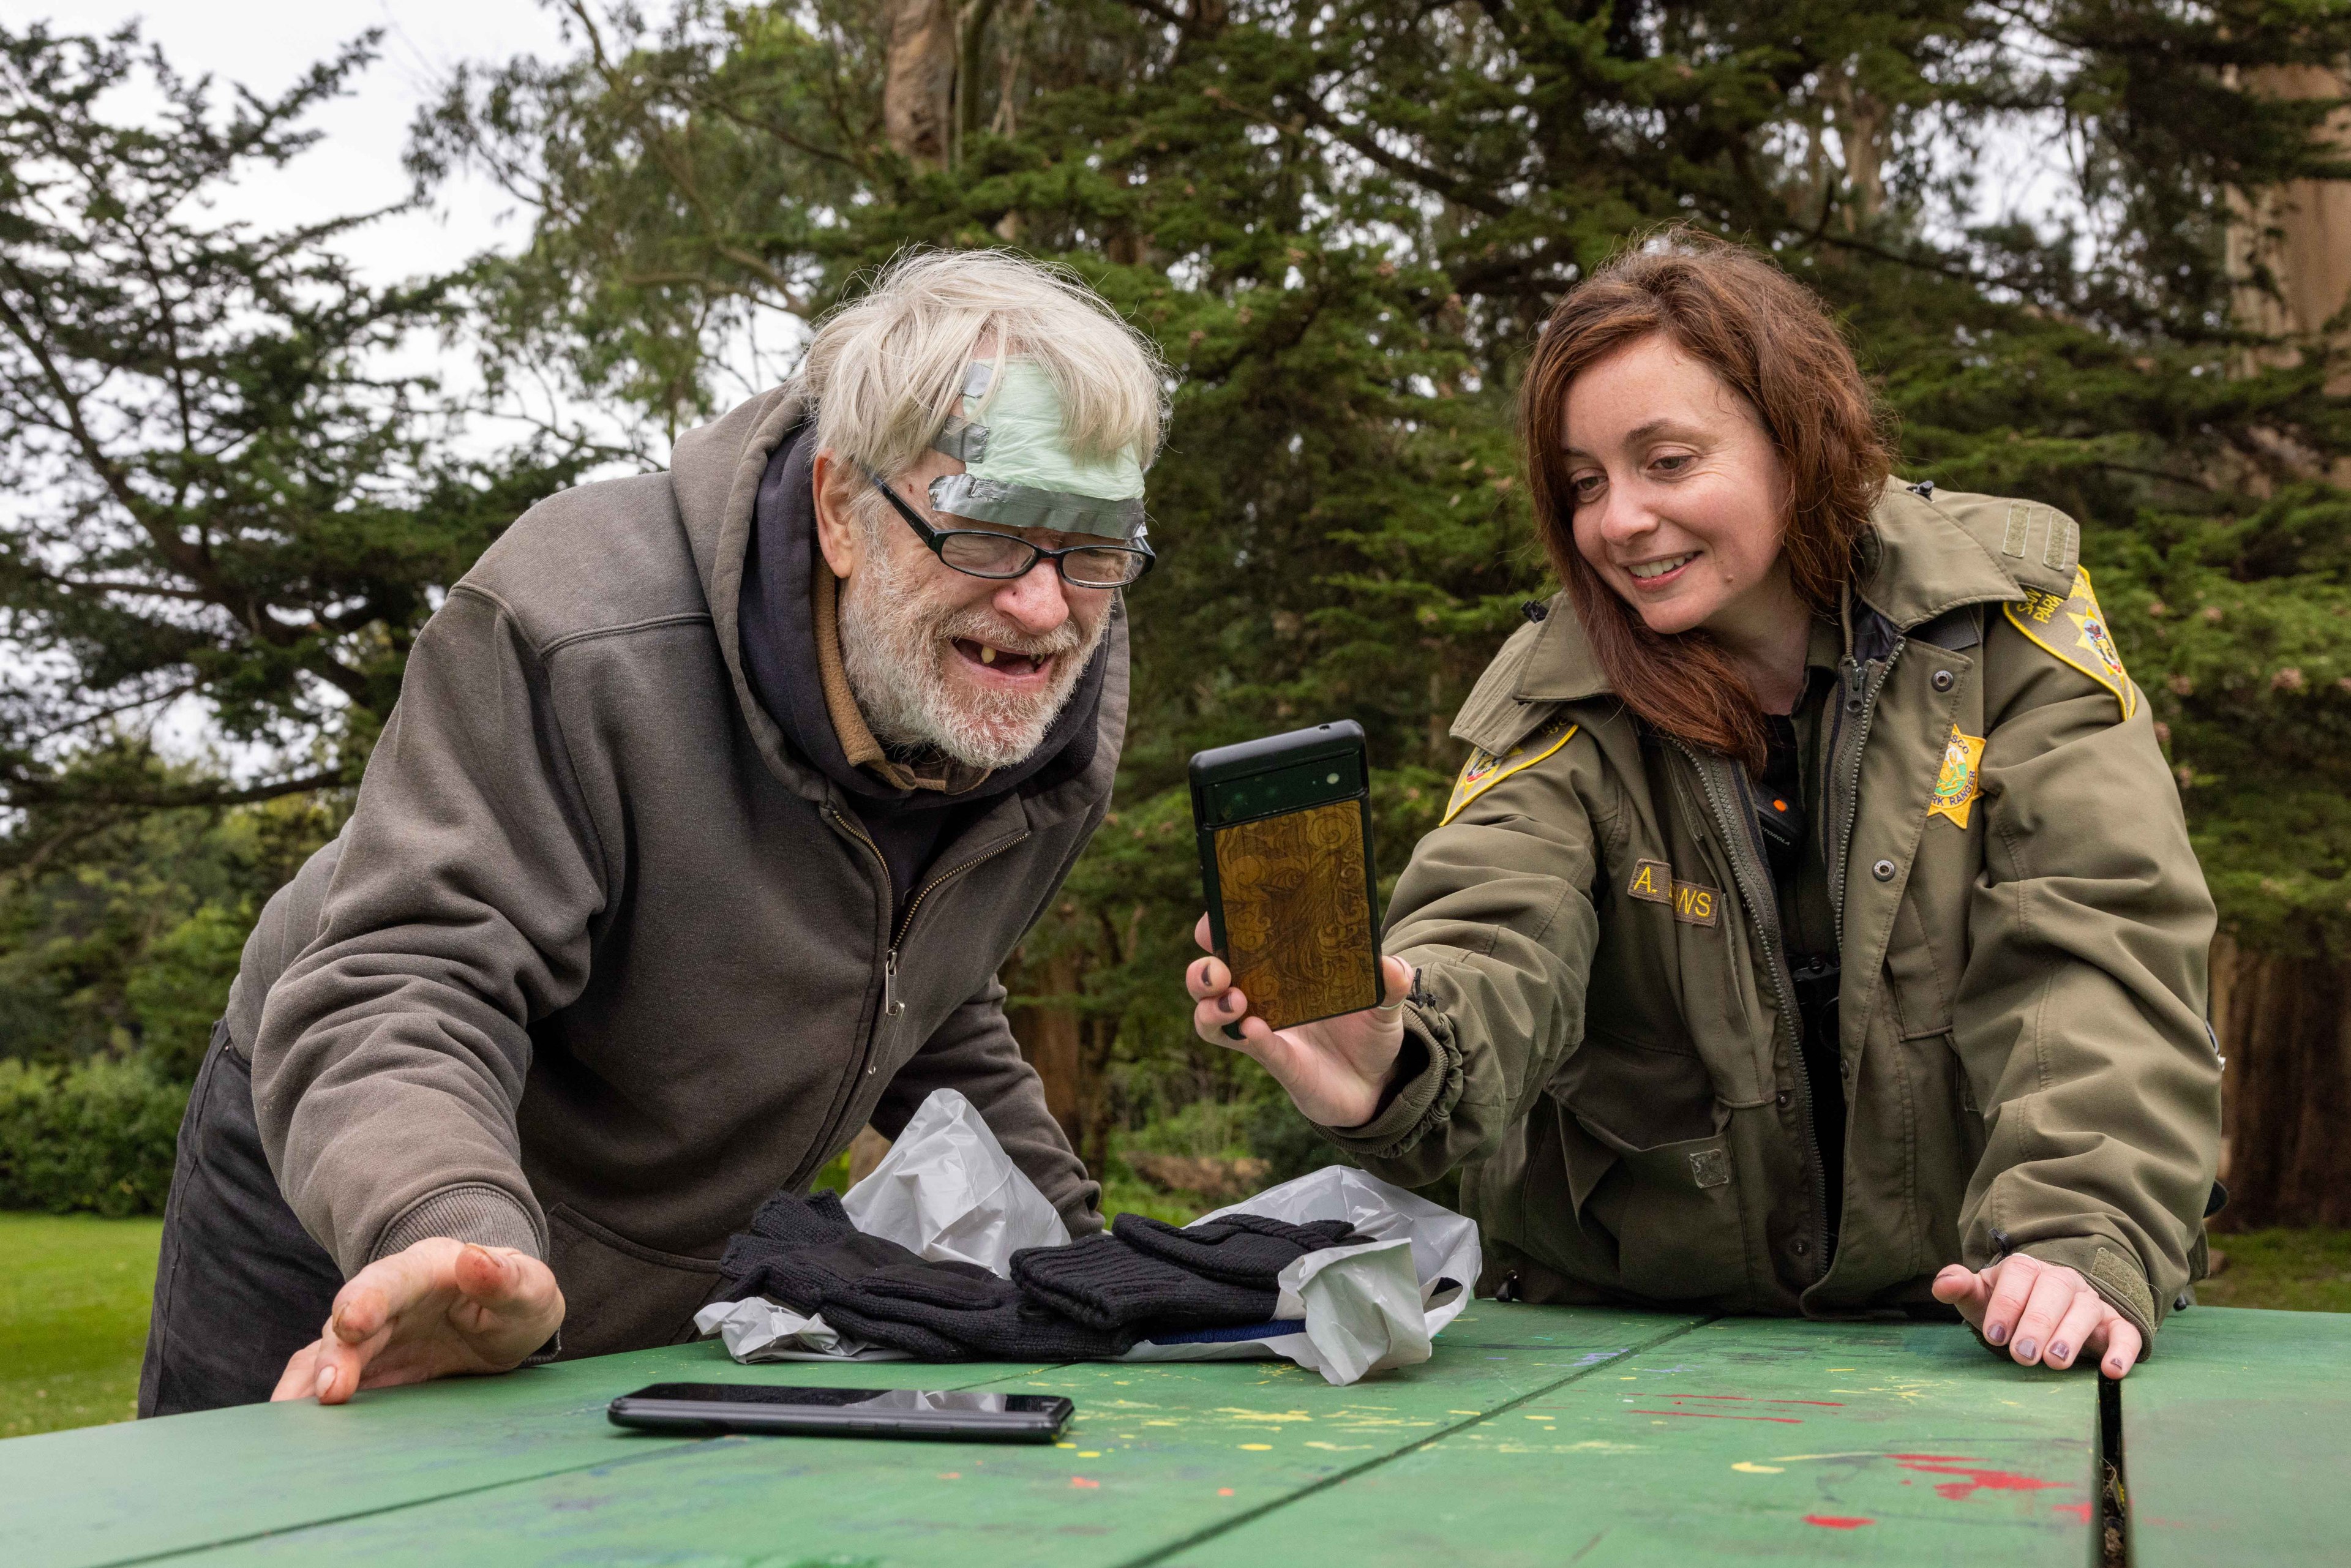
pixel 1743 1441
pixel 2237 1440
pixel 1156 1454
pixel 111 1494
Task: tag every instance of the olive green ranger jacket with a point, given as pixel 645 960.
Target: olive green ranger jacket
pixel 1605 1036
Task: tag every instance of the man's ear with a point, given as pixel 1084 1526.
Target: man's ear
pixel 836 533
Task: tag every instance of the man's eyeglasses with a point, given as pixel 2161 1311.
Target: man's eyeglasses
pixel 982 552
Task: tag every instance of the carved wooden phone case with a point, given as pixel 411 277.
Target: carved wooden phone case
pixel 1289 882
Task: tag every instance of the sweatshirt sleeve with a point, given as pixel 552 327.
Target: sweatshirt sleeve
pixel 1495 913
pixel 390 1057
pixel 2079 1014
pixel 974 1053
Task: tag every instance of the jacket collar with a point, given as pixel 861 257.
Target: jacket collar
pixel 1915 564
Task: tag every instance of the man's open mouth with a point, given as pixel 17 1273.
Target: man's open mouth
pixel 1003 661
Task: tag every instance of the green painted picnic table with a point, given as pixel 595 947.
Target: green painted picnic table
pixel 1536 1435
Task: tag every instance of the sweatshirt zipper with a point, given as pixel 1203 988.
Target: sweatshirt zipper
pixel 1746 857
pixel 891 1006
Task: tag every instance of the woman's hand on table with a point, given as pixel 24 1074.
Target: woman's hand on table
pixel 1334 1071
pixel 2041 1313
pixel 438 1309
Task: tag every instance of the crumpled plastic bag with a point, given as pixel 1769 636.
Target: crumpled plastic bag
pixel 948 1190
pixel 1349 1312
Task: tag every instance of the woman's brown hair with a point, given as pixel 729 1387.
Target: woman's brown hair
pixel 1773 342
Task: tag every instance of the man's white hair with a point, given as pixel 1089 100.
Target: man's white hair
pixel 887 370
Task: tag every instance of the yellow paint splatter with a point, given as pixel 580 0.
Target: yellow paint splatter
pixel 1257 1448
pixel 1065 1445
pixel 1750 1467
pixel 1240 1415
pixel 1543 1417
pixel 1089 1453
pixel 1465 1412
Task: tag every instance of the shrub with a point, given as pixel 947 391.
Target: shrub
pixel 98 1136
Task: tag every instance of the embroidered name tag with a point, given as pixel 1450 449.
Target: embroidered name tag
pixel 1693 903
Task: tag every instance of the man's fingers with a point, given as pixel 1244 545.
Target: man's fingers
pixel 1200 934
pixel 2009 1295
pixel 300 1378
pixel 1396 981
pixel 2073 1330
pixel 2123 1345
pixel 2053 1293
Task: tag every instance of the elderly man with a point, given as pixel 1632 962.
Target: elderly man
pixel 713 803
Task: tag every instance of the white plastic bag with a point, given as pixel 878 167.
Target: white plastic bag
pixel 947 1191
pixel 1348 1311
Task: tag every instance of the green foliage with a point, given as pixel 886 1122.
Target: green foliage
pixel 119 934
pixel 1341 225
pixel 96 1137
pixel 221 492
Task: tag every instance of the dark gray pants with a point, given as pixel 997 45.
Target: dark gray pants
pixel 240 1286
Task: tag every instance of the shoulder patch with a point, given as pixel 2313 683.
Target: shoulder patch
pixel 2075 628
pixel 1486 768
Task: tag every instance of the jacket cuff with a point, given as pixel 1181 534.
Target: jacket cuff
pixel 2114 1272
pixel 473 1211
pixel 1422 1102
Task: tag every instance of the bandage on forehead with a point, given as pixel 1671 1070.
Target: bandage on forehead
pixel 1019 471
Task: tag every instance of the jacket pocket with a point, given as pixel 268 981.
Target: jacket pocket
pixel 1673 1209
pixel 620 1294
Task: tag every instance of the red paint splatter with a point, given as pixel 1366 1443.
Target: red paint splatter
pixel 1823 1404
pixel 1224 1491
pixel 1711 1416
pixel 1974 1479
pixel 2080 1510
pixel 1082 1482
pixel 1833 1522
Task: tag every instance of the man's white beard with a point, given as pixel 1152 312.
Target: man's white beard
pixel 894 648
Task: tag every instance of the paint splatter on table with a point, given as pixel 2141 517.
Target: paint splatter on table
pixel 1540 1434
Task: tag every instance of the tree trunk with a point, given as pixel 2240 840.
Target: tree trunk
pixel 2290 245
pixel 2285 1029
pixel 918 79
pixel 1052 1039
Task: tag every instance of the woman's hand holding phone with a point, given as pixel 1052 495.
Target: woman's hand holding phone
pixel 1334 1069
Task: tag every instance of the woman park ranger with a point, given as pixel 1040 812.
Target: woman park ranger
pixel 1813 928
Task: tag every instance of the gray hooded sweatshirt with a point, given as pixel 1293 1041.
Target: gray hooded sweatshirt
pixel 600 960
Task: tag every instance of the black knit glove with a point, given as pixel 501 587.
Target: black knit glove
pixel 1240 1248
pixel 799 1247
pixel 1106 1284
pixel 955 1311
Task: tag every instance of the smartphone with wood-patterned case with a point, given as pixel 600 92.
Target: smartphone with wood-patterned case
pixel 1285 837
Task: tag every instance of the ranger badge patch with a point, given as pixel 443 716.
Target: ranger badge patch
pixel 1954 786
pixel 1486 768
pixel 2075 629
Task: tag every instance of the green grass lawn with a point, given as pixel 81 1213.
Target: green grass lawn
pixel 74 1292
pixel 73 1315
pixel 2297 1270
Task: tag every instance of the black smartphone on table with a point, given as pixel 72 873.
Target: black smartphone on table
pixel 1284 826
pixel 703 1408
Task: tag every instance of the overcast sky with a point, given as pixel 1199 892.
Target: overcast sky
pixel 267 44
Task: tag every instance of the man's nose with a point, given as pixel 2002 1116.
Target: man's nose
pixel 1038 601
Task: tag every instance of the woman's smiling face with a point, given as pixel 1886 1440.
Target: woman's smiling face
pixel 1679 500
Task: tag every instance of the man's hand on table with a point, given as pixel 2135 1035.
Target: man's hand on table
pixel 440 1308
pixel 2042 1312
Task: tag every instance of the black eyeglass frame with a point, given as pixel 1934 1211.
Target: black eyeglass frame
pixel 934 539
